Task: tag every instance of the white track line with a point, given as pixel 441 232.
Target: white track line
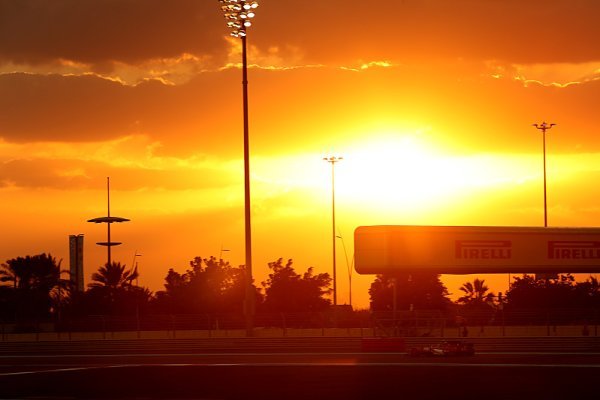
pixel 305 364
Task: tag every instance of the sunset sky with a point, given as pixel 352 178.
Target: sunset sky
pixel 430 102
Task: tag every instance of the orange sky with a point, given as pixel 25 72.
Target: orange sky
pixel 430 102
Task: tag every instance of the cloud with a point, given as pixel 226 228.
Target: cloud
pixel 301 109
pixel 58 108
pixel 74 175
pixel 535 31
pixel 43 108
pixel 109 35
pixel 132 159
pixel 102 31
pixel 559 75
pixel 171 71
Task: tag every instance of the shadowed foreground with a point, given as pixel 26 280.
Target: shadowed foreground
pixel 297 368
pixel 287 381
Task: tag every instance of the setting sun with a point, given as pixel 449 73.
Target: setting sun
pixel 390 172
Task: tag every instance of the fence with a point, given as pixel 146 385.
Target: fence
pixel 557 322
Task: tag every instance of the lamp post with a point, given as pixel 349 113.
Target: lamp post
pixel 349 267
pixel 332 160
pixel 134 265
pixel 108 220
pixel 544 127
pixel 221 253
pixel 238 14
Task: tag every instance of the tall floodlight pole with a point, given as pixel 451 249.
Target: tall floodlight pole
pixel 332 160
pixel 544 127
pixel 238 14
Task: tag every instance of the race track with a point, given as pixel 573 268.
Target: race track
pixel 298 375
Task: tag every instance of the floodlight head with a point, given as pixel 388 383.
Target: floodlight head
pixel 333 159
pixel 238 13
pixel 544 126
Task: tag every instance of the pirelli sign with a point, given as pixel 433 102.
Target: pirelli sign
pixel 476 249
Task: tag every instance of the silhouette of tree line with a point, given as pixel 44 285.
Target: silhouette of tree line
pixel 33 287
pixel 528 300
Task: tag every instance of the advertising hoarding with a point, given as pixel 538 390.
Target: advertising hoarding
pixel 476 249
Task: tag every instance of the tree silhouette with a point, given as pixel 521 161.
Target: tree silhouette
pixel 588 293
pixel 34 281
pixel 288 291
pixel 477 304
pixel 528 293
pixel 113 276
pixel 209 286
pixel 421 290
pixel 476 293
pixel 111 292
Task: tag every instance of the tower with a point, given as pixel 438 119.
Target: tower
pixel 108 220
pixel 76 261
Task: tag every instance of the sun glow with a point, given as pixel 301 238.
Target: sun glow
pixel 402 171
pixel 398 175
pixel 407 175
pixel 398 171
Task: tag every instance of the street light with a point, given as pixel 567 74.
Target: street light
pixel 544 127
pixel 238 14
pixel 221 253
pixel 332 160
pixel 349 267
pixel 108 220
pixel 134 265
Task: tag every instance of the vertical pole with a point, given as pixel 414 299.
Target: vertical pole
pixel 545 203
pixel 333 230
pixel 350 289
pixel 249 295
pixel 108 223
pixel 544 127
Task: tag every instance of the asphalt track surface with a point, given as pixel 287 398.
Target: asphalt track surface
pixel 300 375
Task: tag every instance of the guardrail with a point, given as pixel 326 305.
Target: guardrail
pixel 305 344
pixel 334 323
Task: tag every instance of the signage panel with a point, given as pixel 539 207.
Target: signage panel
pixel 476 249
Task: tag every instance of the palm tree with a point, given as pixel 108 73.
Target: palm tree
pixel 35 282
pixel 112 291
pixel 113 276
pixel 475 293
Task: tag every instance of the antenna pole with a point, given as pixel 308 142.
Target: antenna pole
pixel 108 224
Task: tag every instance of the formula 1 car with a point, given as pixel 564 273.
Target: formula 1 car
pixel 447 348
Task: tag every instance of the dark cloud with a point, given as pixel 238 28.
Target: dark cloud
pixel 102 31
pixel 65 174
pixel 55 108
pixel 89 108
pixel 532 31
